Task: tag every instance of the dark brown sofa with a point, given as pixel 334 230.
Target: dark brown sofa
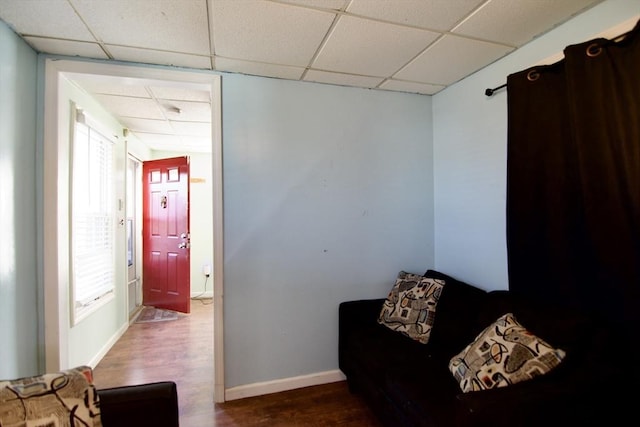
pixel 409 384
pixel 153 404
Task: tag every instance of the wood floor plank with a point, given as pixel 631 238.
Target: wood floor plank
pixel 182 350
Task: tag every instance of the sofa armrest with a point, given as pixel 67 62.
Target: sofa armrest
pixel 360 312
pixel 153 404
pixel 355 317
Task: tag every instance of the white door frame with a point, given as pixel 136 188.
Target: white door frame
pixel 55 203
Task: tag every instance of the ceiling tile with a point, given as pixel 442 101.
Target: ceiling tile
pixel 173 143
pixel 166 92
pixel 158 57
pixel 40 18
pixel 360 46
pixel 131 107
pixel 267 32
pixel 179 26
pixel 192 128
pixel 320 4
pixel 258 68
pixel 429 14
pixel 156 138
pixel 521 20
pixel 188 111
pixel 412 87
pixel 450 59
pixel 67 47
pixel 342 79
pixel 202 143
pixel 112 87
pixel 146 125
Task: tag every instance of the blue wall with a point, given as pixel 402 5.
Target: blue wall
pixel 19 353
pixel 328 194
pixel 470 150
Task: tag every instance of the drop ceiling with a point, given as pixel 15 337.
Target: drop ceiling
pixel 163 115
pixel 416 46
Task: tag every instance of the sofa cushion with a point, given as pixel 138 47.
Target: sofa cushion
pixel 390 348
pixel 456 323
pixel 410 306
pixel 55 399
pixel 504 353
pixel 424 391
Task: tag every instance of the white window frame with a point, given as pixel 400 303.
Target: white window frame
pixel 85 130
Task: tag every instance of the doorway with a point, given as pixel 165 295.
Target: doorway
pixel 58 334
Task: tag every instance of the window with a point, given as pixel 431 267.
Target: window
pixel 92 218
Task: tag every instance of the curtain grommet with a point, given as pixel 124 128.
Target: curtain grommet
pixel 533 75
pixel 593 50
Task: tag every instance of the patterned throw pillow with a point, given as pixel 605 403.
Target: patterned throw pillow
pixel 63 399
pixel 410 307
pixel 504 353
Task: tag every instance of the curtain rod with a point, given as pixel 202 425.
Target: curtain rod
pixel 490 92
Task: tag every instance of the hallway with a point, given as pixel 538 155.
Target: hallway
pixel 179 350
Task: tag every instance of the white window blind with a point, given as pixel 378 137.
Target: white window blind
pixel 92 206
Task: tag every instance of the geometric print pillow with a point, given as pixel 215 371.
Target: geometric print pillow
pixel 410 307
pixel 63 399
pixel 504 353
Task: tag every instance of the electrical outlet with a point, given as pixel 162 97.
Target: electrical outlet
pixel 206 270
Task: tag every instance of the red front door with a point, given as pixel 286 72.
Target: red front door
pixel 165 241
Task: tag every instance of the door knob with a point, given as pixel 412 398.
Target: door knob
pixel 184 245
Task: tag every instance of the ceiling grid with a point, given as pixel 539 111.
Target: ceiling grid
pixel 415 46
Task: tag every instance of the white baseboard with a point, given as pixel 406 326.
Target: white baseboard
pixel 206 294
pixel 105 349
pixel 275 386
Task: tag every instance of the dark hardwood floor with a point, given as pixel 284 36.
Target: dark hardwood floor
pixel 324 405
pixel 181 351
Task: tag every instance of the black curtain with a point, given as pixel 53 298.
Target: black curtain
pixel 573 179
